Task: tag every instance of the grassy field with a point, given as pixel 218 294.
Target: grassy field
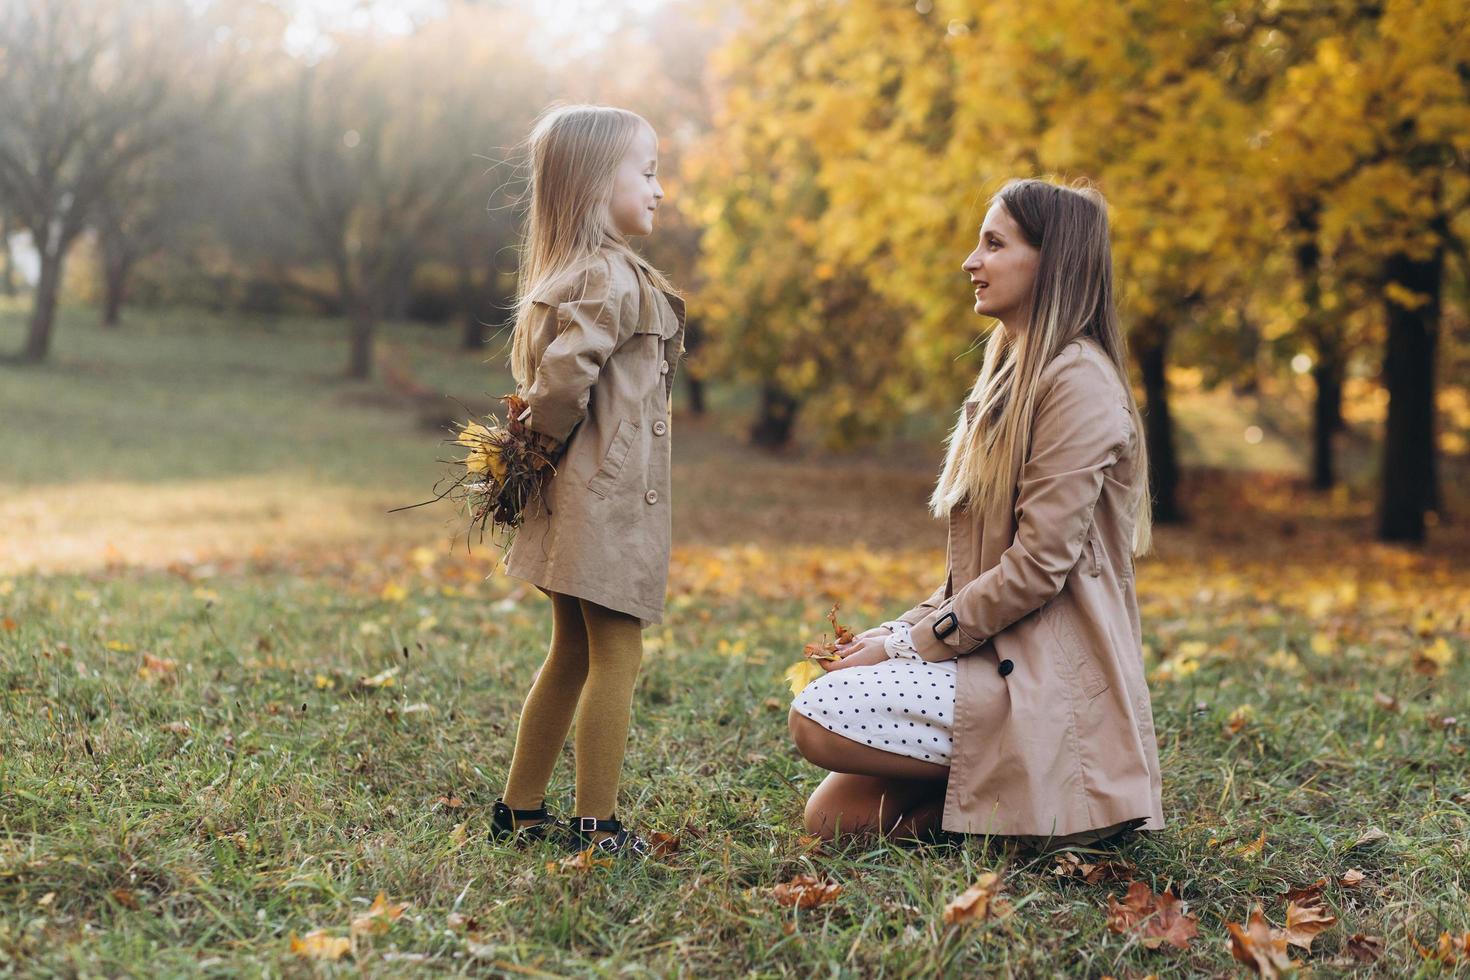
pixel 239 702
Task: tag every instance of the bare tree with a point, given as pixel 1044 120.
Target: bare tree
pixel 87 90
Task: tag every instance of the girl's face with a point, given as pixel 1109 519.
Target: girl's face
pixel 636 191
pixel 1002 268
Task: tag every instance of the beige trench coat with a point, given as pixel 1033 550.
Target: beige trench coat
pixel 605 363
pixel 1053 730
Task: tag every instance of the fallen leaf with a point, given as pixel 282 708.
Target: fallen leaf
pixel 662 845
pixel 8 624
pixel 1385 701
pixel 1259 946
pixel 379 917
pixel 156 666
pixel 1069 865
pixel 806 892
pixel 177 727
pixel 979 902
pixel 383 679
pixel 1451 948
pixel 1154 919
pixel 1364 949
pixel 1307 914
pixel 1370 836
pixel 582 861
pixel 449 802
pixel 1351 878
pixel 1238 718
pixel 317 945
pixel 1254 848
pixel 46 899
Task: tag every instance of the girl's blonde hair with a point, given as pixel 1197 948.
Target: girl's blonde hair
pixel 1071 298
pixel 575 152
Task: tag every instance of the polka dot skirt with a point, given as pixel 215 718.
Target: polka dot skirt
pixel 900 706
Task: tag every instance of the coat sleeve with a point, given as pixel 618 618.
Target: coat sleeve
pixel 1080 429
pixel 923 609
pixel 588 330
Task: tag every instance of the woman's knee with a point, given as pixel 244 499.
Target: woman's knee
pixel 811 739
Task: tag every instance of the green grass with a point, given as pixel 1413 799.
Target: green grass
pixel 131 844
pixel 295 795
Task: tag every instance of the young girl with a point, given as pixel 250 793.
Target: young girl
pixel 1012 701
pixel 597 337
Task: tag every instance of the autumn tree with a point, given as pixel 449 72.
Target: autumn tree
pixel 88 91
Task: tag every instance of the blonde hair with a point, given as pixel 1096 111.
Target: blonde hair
pixel 1071 298
pixel 575 152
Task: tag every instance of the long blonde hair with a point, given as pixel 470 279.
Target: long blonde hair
pixel 1071 298
pixel 575 152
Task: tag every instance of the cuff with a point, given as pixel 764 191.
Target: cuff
pixel 939 636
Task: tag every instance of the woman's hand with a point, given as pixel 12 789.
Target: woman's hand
pixel 861 652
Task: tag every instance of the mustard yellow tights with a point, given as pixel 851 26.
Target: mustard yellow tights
pixel 590 671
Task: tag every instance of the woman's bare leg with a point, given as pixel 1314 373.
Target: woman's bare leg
pixel 869 791
pixel 873 805
pixel 838 754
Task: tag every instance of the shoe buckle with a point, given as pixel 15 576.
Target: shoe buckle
pixel 587 825
pixel 608 844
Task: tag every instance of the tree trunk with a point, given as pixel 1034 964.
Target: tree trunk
pixel 474 326
pixel 1409 469
pixel 43 310
pixel 360 359
pixel 693 383
pixel 114 290
pixel 7 261
pixel 1163 464
pixel 1327 374
pixel 777 419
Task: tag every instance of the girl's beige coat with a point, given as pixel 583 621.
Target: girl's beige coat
pixel 1053 731
pixel 605 364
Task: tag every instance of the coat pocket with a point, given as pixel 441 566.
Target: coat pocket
pixel 1094 553
pixel 612 461
pixel 1084 667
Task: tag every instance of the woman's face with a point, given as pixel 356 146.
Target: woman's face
pixel 636 191
pixel 1002 268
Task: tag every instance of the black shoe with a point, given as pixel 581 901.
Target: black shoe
pixel 623 842
pixel 534 825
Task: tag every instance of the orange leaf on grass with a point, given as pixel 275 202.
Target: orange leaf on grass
pixel 979 902
pixel 1259 946
pixel 1351 878
pixel 1070 865
pixel 318 945
pixel 1307 914
pixel 379 917
pixel 806 892
pixel 156 666
pixel 1153 919
pixel 1364 949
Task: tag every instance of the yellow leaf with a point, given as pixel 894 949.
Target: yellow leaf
pixel 383 679
pixel 379 917
pixel 1255 847
pixel 802 673
pixel 317 945
pixel 393 592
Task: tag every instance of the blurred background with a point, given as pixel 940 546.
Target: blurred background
pixel 257 255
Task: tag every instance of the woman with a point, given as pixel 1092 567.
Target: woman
pixel 1012 701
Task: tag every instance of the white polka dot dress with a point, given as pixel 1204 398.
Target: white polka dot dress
pixel 901 706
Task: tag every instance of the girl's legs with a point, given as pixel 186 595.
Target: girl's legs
pixel 547 715
pixel 870 790
pixel 614 654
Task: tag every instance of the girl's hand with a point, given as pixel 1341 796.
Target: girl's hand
pixel 859 653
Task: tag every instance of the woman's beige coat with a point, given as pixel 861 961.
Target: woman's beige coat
pixel 1053 731
pixel 605 362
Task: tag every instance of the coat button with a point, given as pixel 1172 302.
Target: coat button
pixel 659 428
pixel 1006 667
pixel 663 368
pixel 651 496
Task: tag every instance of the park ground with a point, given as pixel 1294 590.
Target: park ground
pixel 240 700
